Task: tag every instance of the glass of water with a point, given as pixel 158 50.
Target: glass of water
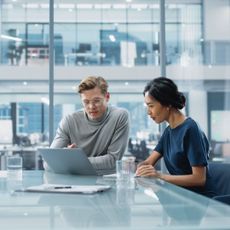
pixel 125 169
pixel 14 167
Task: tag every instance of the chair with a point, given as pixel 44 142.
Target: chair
pixel 224 199
pixel 220 173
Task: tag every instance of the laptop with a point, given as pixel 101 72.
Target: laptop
pixel 67 161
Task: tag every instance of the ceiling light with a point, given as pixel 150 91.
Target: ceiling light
pixel 44 6
pixel 139 6
pixel 102 6
pixel 119 6
pixel 112 38
pixel 66 6
pixel 30 6
pixel 11 38
pixel 45 100
pixel 84 6
pixel 154 6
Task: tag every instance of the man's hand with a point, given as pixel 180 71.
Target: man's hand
pixel 72 146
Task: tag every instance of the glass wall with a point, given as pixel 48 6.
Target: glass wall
pixel 24 56
pixel 120 41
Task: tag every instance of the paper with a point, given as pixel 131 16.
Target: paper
pixel 114 175
pixel 60 188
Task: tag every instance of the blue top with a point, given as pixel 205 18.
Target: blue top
pixel 183 147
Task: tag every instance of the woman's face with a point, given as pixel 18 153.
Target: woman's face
pixel 155 110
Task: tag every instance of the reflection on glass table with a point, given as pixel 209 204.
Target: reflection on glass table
pixel 147 204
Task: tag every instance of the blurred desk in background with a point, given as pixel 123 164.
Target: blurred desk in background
pixel 31 160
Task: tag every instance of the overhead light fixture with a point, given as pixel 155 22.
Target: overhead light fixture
pixel 30 6
pixel 44 6
pixel 84 6
pixel 139 6
pixel 175 6
pixel 112 38
pixel 102 6
pixel 11 38
pixel 45 100
pixel 119 6
pixel 154 6
pixel 74 88
pixel 66 6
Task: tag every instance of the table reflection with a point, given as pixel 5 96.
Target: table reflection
pixel 179 209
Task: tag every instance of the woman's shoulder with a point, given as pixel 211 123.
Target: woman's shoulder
pixel 190 122
pixel 188 125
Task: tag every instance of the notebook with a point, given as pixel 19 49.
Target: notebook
pixel 60 188
pixel 67 161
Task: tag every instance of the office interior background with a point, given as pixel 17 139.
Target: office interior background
pixel 119 40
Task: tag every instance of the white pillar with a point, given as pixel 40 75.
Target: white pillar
pixel 198 108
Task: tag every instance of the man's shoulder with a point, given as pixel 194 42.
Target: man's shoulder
pixel 73 116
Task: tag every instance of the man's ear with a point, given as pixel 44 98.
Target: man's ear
pixel 107 96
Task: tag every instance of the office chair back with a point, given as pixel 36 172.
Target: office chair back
pixel 220 173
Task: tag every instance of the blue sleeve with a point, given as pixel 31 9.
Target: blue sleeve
pixel 196 145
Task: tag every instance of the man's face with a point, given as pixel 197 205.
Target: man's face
pixel 94 102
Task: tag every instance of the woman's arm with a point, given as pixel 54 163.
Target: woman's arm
pixel 151 160
pixel 197 178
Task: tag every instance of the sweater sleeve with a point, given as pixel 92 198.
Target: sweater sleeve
pixel 61 138
pixel 106 164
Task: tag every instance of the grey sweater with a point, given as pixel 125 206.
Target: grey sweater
pixel 104 141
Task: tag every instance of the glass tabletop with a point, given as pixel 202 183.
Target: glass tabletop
pixel 140 204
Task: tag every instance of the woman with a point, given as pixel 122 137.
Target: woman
pixel 183 145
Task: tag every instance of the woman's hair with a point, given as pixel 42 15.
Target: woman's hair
pixel 92 82
pixel 165 91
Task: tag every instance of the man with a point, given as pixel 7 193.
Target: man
pixel 99 129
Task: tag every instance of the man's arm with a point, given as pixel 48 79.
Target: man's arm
pixel 116 149
pixel 61 138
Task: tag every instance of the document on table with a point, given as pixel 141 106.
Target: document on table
pixel 60 188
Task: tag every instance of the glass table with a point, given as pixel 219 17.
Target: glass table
pixel 140 204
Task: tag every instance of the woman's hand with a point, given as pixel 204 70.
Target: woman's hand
pixel 147 170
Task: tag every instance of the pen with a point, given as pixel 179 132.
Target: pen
pixel 62 187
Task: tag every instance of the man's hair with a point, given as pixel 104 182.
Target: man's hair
pixel 92 82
